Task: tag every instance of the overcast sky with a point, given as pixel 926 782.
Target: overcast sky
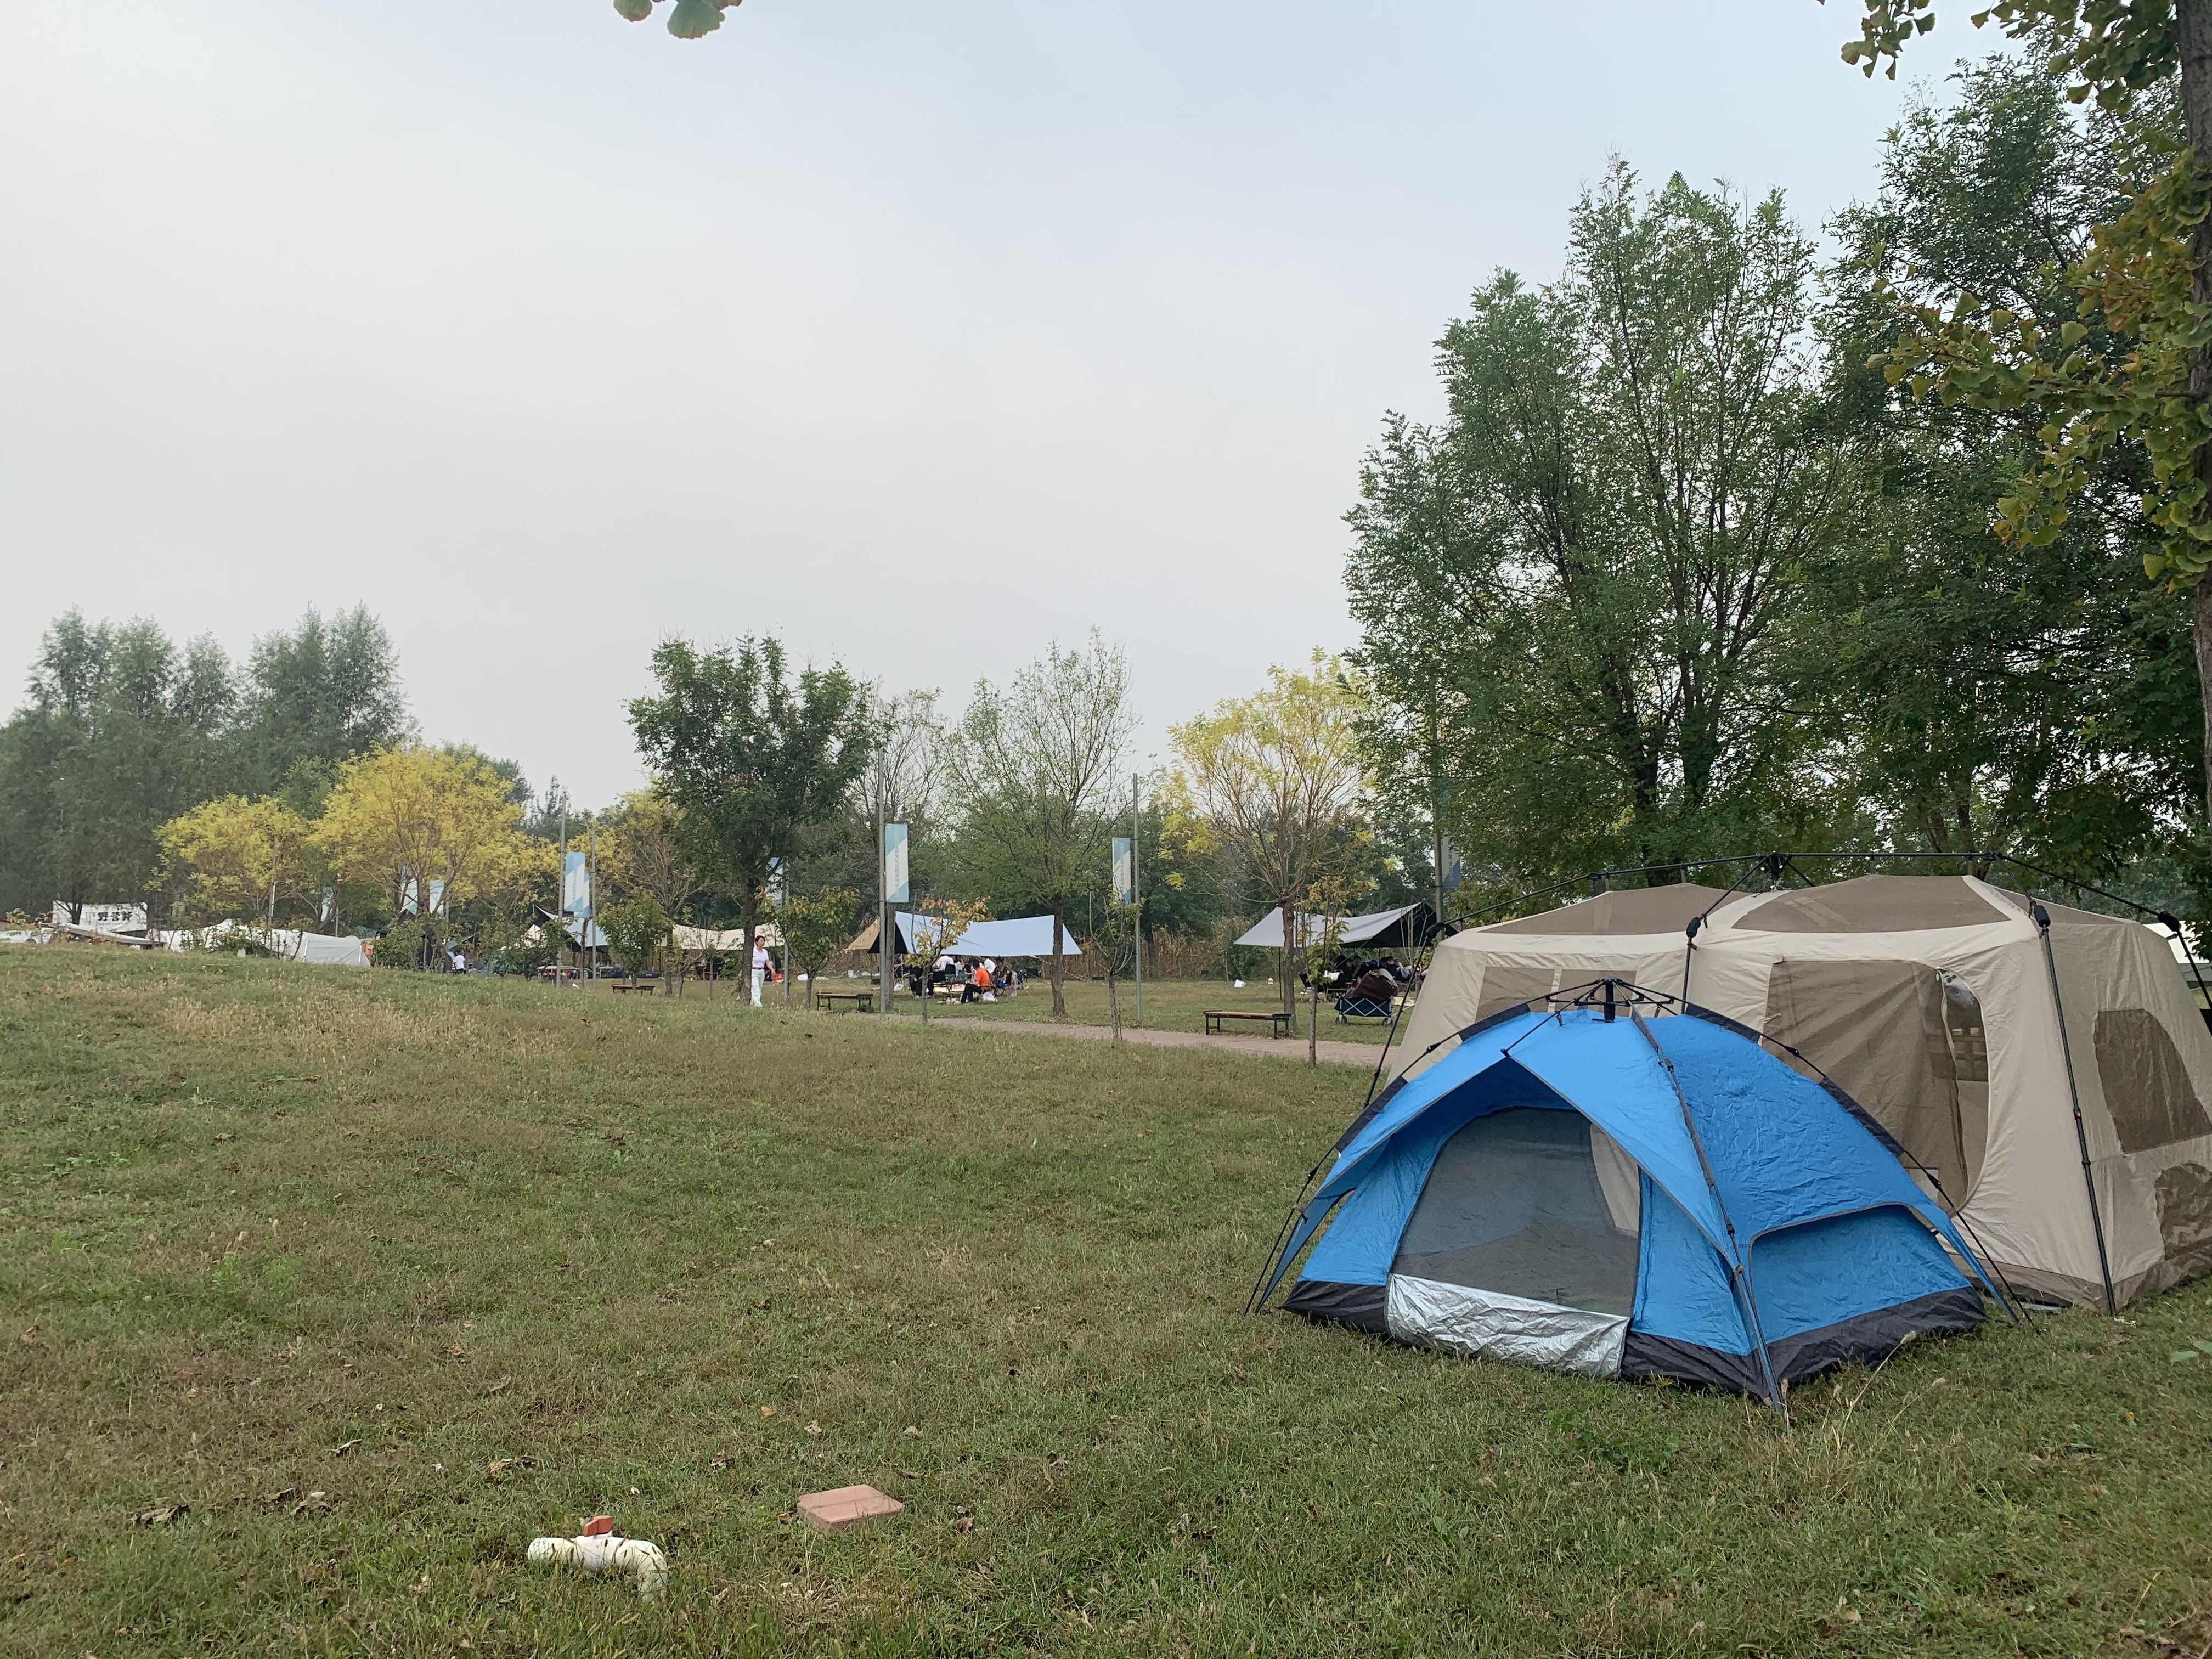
pixel 919 334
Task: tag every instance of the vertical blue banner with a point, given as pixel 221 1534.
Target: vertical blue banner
pixel 1124 871
pixel 576 887
pixel 895 867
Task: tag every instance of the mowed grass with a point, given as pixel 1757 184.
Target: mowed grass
pixel 1170 1004
pixel 272 1232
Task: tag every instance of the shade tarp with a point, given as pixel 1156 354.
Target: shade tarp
pixel 1407 925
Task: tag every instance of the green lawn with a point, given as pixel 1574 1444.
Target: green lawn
pixel 1171 1004
pixel 271 1228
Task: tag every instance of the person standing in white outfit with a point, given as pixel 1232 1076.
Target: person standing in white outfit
pixel 760 969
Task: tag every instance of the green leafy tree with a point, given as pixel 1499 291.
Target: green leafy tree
pixel 1570 591
pixel 816 926
pixel 2133 365
pixel 1030 766
pixel 2029 695
pixel 123 730
pixel 313 698
pixel 750 759
pixel 639 930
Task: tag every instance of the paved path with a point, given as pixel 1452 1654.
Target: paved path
pixel 1362 1054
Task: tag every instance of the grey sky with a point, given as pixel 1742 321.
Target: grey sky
pixel 920 334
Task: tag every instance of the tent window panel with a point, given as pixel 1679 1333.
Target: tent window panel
pixel 1882 1031
pixel 2147 1087
pixel 1511 985
pixel 1514 1204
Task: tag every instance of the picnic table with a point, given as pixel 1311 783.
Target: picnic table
pixel 1279 1023
pixel 864 1002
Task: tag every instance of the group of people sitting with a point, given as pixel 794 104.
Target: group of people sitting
pixel 983 981
pixel 1366 988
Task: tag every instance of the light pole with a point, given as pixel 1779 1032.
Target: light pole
pixel 1136 886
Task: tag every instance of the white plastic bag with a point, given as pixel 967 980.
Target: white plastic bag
pixel 606 1552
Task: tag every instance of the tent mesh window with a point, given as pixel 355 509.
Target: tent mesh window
pixel 1526 1202
pixel 2147 1086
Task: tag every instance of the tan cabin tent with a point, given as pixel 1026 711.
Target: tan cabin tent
pixel 1935 1003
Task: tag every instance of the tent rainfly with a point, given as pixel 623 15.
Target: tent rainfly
pixel 1630 1197
pixel 1022 936
pixel 2045 1069
pixel 1407 927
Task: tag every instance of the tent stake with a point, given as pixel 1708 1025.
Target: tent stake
pixel 2080 1128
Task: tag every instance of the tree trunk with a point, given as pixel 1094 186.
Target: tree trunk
pixel 2193 36
pixel 1059 965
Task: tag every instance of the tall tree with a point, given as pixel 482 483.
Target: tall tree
pixel 1570 591
pixel 2145 281
pixel 122 731
pixel 1030 768
pixel 750 759
pixel 2031 694
pixel 1273 783
pixel 316 697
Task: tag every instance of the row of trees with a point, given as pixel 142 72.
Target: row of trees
pixel 1012 808
pixel 1684 572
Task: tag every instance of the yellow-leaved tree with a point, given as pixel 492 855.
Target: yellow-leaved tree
pixel 415 823
pixel 1271 787
pixel 642 855
pixel 235 859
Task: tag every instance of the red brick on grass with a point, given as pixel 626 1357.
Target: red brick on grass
pixel 846 1507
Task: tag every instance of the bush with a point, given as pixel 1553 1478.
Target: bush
pixel 409 944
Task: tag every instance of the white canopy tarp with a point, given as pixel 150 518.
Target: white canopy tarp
pixel 1266 934
pixel 1022 936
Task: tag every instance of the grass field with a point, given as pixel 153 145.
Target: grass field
pixel 1170 1004
pixel 272 1233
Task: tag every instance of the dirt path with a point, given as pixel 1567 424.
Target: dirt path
pixel 1362 1054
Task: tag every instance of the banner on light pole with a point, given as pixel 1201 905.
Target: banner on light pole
pixel 576 887
pixel 895 865
pixel 1124 870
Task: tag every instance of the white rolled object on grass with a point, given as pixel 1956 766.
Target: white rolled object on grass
pixel 605 1553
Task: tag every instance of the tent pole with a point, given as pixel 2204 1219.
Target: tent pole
pixel 2073 1088
pixel 1739 1269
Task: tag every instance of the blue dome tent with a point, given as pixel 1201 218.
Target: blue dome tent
pixel 1600 1191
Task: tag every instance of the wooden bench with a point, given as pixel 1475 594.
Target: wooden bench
pixel 1278 1024
pixel 864 1002
pixel 635 984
